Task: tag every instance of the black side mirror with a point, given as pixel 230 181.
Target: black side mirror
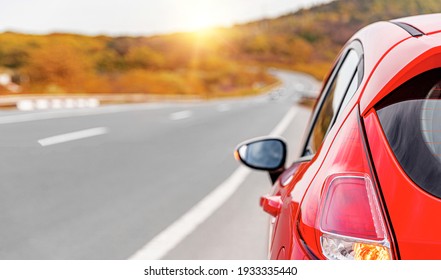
pixel 268 154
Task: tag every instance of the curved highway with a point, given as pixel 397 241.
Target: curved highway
pixel 103 183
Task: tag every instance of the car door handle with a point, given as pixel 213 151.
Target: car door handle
pixel 271 204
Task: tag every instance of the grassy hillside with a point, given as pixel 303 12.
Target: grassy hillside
pixel 225 61
pixel 176 64
pixel 317 34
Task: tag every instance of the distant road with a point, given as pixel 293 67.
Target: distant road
pixel 102 183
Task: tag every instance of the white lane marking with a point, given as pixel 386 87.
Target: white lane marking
pixel 77 135
pixel 170 237
pixel 223 108
pixel 164 242
pixel 284 123
pixel 180 115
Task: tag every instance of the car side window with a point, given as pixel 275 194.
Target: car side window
pixel 340 89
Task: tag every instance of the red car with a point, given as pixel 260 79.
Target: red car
pixel 367 185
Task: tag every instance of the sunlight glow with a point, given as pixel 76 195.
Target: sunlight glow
pixel 201 16
pixel 200 22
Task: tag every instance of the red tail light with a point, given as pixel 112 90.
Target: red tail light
pixel 341 215
pixel 350 208
pixel 351 222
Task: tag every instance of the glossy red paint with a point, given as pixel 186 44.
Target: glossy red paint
pixel 426 23
pixel 404 217
pixel 406 60
pixel 271 204
pixel 413 212
pixel 347 154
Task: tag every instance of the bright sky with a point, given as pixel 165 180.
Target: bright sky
pixel 136 17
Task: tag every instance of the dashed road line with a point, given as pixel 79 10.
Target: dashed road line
pixel 180 115
pixel 72 136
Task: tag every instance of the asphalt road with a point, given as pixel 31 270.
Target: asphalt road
pixel 115 177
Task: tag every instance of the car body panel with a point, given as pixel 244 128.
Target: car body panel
pixel 292 197
pixel 345 155
pixel 283 188
pixel 407 59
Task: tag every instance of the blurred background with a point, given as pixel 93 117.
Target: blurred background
pixel 117 118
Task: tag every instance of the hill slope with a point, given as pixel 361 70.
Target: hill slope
pixel 224 61
pixel 317 34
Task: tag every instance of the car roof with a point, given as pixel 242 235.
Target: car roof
pixel 425 23
pixel 393 55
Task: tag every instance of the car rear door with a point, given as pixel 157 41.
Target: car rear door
pixel 339 88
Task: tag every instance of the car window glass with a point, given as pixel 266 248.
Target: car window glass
pixel 410 118
pixel 344 80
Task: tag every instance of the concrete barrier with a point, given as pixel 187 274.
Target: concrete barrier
pixel 56 103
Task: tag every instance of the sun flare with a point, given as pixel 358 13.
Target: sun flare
pixel 200 22
pixel 200 15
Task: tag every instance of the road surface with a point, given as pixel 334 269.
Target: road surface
pixel 102 183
